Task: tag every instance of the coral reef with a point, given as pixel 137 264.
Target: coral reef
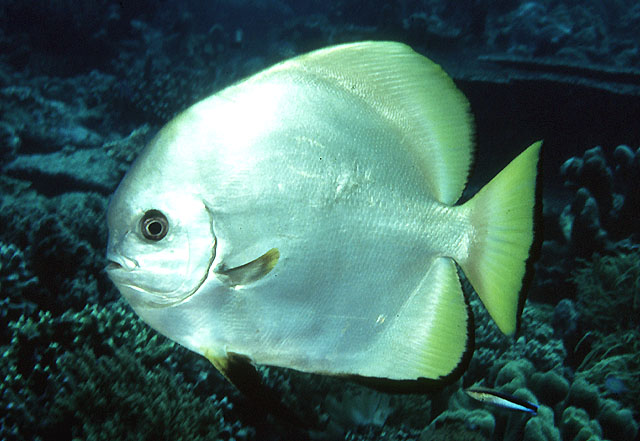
pixel 612 282
pixel 474 425
pixel 17 285
pixel 84 86
pixel 606 203
pixel 362 409
pixel 542 428
pixel 614 356
pixel 74 376
pixel 59 237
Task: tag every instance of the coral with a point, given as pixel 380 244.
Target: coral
pixel 592 173
pixel 538 341
pixel 9 140
pixel 126 149
pixel 461 424
pixel 123 67
pixel 550 387
pixel 65 264
pixel 365 408
pixel 67 170
pixel 361 411
pixel 609 290
pixel 505 424
pixel 584 395
pixel 542 427
pixel 581 407
pixel 17 284
pixel 627 172
pixel 431 27
pixel 614 355
pixel 43 123
pixel 62 243
pixel 98 374
pixel 516 421
pixel 56 128
pixel 514 374
pixel 587 413
pixel 583 224
pixel 617 423
pixel 90 397
pixel 608 302
pixel 577 426
pixel 534 29
pixel 567 325
pixel 605 198
pixel 15 276
pixel 58 138
pixel 167 74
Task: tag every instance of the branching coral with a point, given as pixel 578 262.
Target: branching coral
pixel 15 276
pixel 614 355
pixel 97 374
pixel 360 409
pixel 609 290
pixel 16 281
pixel 608 301
pixel 462 425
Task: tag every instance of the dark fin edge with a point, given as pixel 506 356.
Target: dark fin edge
pixel 424 385
pixel 536 244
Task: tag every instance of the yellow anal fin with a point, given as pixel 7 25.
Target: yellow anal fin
pixel 250 272
pixel 431 341
pixel 240 371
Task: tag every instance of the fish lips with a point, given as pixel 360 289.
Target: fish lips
pixel 123 272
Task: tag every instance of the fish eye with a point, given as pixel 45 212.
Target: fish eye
pixel 154 225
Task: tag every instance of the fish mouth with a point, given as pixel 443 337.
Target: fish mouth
pixel 119 269
pixel 116 262
pixel 118 273
pixel 126 274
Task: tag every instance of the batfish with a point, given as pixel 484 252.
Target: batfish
pixel 306 218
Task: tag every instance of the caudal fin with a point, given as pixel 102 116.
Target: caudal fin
pixel 503 217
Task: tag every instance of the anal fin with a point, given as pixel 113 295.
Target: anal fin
pixel 431 341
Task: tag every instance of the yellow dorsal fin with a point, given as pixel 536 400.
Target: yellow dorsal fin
pixel 414 93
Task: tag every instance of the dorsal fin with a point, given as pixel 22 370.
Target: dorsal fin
pixel 411 91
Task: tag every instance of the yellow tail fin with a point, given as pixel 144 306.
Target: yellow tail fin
pixel 502 215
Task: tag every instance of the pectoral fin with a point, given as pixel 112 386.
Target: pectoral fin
pixel 240 372
pixel 252 271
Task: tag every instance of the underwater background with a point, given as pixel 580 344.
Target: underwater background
pixel 85 84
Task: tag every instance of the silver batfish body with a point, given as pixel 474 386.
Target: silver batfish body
pixel 305 218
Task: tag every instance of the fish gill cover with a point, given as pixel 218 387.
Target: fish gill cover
pixel 85 85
